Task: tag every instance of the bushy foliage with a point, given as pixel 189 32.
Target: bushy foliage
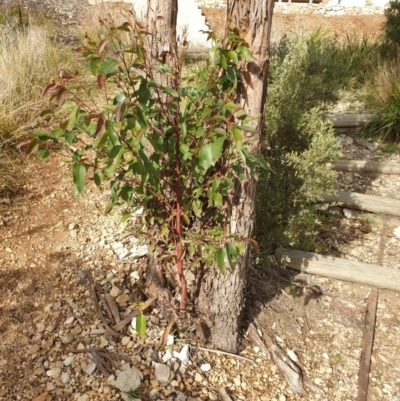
pixel 173 151
pixel 392 30
pixel 299 144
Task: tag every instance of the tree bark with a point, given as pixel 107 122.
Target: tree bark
pixel 221 296
pixel 161 24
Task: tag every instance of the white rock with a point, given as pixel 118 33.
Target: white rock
pixel 183 355
pixel 167 356
pixel 205 367
pixel 396 232
pixel 133 323
pixel 135 275
pixel 181 397
pixel 349 214
pixel 282 398
pixel 90 368
pixel 170 339
pixel 69 320
pixel 139 251
pixel 83 397
pixel 67 361
pixel 128 379
pixel 162 373
pixel 65 378
pixel 54 373
pixel 256 349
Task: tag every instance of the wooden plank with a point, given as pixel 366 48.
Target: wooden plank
pixel 351 120
pixel 366 346
pixel 367 203
pixel 363 166
pixel 341 269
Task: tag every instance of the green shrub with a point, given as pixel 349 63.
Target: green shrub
pixel 392 31
pixel 299 143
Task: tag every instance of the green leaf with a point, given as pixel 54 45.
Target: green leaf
pixel 197 207
pixel 94 65
pixel 44 155
pixel 217 198
pixel 248 129
pixel 245 53
pixel 141 324
pixel 237 133
pixel 210 153
pixel 220 131
pixel 79 174
pixel 109 66
pixel 233 56
pixel 221 257
pixel 232 253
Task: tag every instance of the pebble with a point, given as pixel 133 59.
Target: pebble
pixel 103 342
pixel 198 377
pixel 41 397
pixel 68 338
pixel 123 298
pixel 162 373
pixel 40 327
pixel 205 367
pixel 125 340
pixel 90 368
pixel 34 349
pixel 128 379
pixel 67 361
pixel 237 381
pixel 3 362
pixel 49 386
pixel 83 397
pixel 115 291
pixel 70 320
pixel 65 378
pixel 54 373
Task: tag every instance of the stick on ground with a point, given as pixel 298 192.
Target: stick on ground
pixel 366 347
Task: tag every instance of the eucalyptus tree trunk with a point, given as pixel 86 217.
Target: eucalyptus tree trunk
pixel 221 296
pixel 161 24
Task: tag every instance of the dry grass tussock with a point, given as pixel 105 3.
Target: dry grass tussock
pixel 29 60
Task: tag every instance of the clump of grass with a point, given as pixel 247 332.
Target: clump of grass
pixel 384 97
pixel 29 61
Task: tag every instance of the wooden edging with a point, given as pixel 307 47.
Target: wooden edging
pixel 351 120
pixel 341 269
pixel 362 166
pixel 367 203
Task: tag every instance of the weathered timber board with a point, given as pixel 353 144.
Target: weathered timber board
pixel 363 166
pixel 341 269
pixel 351 120
pixel 367 203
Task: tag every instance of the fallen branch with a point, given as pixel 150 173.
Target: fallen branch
pixel 366 346
pixel 363 166
pixel 367 203
pixel 341 269
pixel 218 352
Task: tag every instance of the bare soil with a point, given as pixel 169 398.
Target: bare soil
pixel 48 242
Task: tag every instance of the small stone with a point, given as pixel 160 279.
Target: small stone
pixel 282 398
pixel 212 396
pixel 103 342
pixel 205 367
pixel 154 319
pixel 115 291
pixel 128 380
pixel 3 362
pixel 69 320
pixel 65 378
pixel 49 386
pixel 181 397
pixel 90 368
pixel 183 355
pixel 349 214
pixel 41 397
pixel 83 397
pixel 30 290
pixel 162 373
pixel 48 344
pixel 76 330
pixel 256 349
pixel 54 373
pixel 170 339
pixel 125 340
pixel 325 356
pixel 396 232
pixel 154 383
pixel 40 327
pixel 123 298
pixel 68 338
pixel 133 323
pixel 198 377
pixel 67 361
pixel 237 381
pixel 34 349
